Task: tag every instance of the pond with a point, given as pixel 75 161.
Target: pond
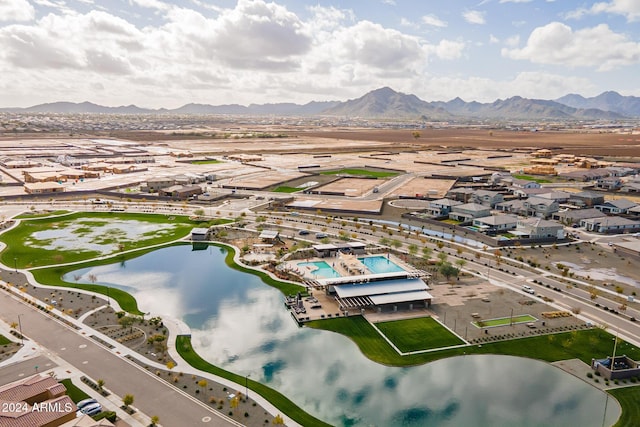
pixel 240 324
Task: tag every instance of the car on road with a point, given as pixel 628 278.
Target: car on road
pixel 304 232
pixel 528 289
pixel 321 236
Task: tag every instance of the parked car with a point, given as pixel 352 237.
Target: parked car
pixel 528 289
pixel 92 409
pixel 85 402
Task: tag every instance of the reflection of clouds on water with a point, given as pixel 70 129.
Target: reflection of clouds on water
pixel 606 274
pixel 240 324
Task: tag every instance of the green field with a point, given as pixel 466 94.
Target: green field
pixel 531 178
pixel 423 333
pixel 205 162
pixel 41 242
pixel 628 397
pixel 504 321
pixel 4 340
pixel 362 172
pixel 285 189
pixel 583 345
pixel 41 215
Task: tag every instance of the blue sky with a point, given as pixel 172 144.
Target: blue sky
pixel 165 53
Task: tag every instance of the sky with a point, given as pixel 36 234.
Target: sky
pixel 157 53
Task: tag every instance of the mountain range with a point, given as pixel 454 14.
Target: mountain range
pixel 385 103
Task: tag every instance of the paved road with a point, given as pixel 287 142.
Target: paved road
pixel 152 396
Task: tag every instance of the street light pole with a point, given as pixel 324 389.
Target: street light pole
pixel 246 386
pixel 15 264
pixel 20 329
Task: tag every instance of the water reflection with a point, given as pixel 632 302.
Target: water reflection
pixel 240 324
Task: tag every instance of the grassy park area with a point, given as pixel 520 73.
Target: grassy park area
pixel 361 172
pixel 205 162
pixel 285 189
pixel 423 333
pixel 85 235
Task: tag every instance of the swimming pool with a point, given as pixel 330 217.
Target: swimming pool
pixel 323 271
pixel 380 264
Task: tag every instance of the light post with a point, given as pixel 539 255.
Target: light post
pixel 15 264
pixel 20 329
pixel 246 386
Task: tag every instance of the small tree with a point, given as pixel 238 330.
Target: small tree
pixel 127 400
pixel 100 383
pixel 155 420
pixel 278 420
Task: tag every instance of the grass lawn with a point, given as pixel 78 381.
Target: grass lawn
pixel 418 334
pixel 41 215
pixel 205 162
pixel 504 321
pixel 4 340
pixel 285 189
pixel 361 172
pixel 74 392
pixel 628 398
pixel 582 345
pixel 531 178
pixel 184 348
pixel 28 255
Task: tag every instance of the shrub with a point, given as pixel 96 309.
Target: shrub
pixel 589 375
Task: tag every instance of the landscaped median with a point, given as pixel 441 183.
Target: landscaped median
pixel 280 401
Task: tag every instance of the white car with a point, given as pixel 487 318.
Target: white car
pixel 528 289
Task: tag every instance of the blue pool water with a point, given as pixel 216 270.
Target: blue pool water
pixel 324 271
pixel 380 264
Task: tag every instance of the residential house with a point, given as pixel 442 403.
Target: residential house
pixel 41 390
pixel 487 198
pixel 586 198
pixel 515 206
pixel 574 216
pixel 619 206
pixel 441 207
pixel 468 211
pixel 181 192
pixel 631 187
pixel 538 228
pixel 540 207
pixel 461 194
pixel 558 196
pixel 495 223
pixel 43 187
pixel 610 224
pixel 157 184
pixel 609 183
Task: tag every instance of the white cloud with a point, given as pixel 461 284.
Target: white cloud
pixel 627 8
pixel 474 17
pixel 512 41
pixel 448 49
pixel 493 39
pixel 558 44
pixel 433 21
pixel 16 10
pixel 152 4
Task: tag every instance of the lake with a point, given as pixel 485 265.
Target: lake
pixel 240 324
